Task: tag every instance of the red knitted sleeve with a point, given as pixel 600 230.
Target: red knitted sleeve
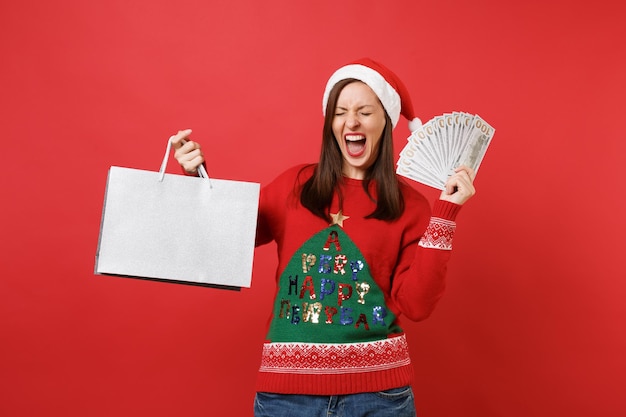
pixel 419 281
pixel 273 200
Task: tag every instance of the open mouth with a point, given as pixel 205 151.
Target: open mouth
pixel 355 145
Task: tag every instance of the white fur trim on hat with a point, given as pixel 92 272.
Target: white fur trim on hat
pixel 385 92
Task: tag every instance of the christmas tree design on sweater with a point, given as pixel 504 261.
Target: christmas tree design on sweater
pixel 330 316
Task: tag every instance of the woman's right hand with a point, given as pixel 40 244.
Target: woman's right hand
pixel 187 152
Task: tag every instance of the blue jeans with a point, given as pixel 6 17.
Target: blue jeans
pixel 396 402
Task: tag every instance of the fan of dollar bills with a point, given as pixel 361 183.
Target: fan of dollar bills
pixel 443 143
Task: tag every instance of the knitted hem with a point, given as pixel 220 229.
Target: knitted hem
pixel 335 384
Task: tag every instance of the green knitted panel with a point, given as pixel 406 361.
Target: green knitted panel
pixel 327 295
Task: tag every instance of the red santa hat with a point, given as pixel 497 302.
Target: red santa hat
pixel 390 90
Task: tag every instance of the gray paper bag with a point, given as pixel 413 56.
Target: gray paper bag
pixel 177 228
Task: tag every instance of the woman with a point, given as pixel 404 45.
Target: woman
pixel 358 248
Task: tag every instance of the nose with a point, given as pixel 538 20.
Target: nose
pixel 352 122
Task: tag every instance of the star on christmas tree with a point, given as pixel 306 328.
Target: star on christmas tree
pixel 338 218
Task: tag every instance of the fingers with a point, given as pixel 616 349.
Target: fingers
pixel 187 152
pixel 460 186
pixel 180 138
pixel 470 172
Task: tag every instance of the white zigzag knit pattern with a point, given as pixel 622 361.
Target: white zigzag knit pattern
pixel 314 358
pixel 438 234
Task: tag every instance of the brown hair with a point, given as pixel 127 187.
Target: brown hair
pixel 317 192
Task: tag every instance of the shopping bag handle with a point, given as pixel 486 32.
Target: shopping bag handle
pixel 201 170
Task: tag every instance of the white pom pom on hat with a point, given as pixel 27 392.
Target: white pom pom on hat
pixel 390 90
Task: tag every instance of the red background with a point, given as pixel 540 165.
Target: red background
pixel 532 321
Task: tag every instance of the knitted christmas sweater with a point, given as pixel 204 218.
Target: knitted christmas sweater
pixel 341 288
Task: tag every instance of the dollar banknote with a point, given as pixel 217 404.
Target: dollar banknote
pixel 440 145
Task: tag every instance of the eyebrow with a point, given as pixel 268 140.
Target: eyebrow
pixel 358 108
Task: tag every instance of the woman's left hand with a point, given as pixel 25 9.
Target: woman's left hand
pixel 460 186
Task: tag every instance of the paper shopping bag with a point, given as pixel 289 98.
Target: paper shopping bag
pixel 178 228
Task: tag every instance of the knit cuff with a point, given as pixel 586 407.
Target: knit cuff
pixel 438 234
pixel 445 210
pixel 441 228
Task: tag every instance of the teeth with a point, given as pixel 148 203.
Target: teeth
pixel 355 138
